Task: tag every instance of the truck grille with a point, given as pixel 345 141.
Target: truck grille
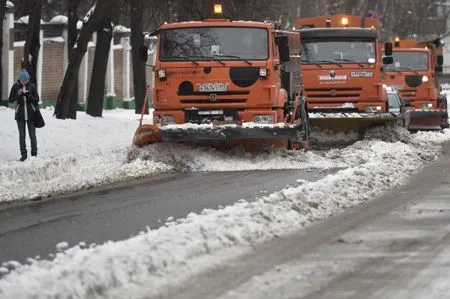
pixel 407 93
pixel 339 94
pixel 222 97
pixel 209 101
pixel 219 93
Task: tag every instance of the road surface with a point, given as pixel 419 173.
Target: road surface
pixel 116 214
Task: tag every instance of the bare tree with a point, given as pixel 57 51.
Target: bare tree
pixel 2 16
pixel 137 41
pixel 32 44
pixel 97 88
pixel 72 34
pixel 93 20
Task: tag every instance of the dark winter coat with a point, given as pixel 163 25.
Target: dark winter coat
pixel 29 99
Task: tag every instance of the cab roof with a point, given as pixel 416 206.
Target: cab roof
pixel 338 33
pixel 425 50
pixel 218 23
pixel 335 21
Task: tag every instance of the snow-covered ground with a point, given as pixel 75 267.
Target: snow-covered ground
pixel 151 262
pixel 82 153
pixel 72 154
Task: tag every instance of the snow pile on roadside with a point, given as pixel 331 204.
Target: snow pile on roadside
pixel 72 155
pixel 87 152
pixel 191 158
pixel 153 261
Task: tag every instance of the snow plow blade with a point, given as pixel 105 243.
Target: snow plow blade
pixel 350 122
pixel 148 134
pixel 425 120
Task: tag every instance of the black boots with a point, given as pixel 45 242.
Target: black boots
pixel 24 157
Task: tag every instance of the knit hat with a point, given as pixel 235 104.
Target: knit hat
pixel 23 75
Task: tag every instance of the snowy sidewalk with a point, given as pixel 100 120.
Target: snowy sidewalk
pixel 72 155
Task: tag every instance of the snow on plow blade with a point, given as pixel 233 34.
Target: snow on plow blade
pixel 147 134
pixel 350 122
pixel 424 120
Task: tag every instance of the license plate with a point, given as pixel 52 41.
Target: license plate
pixel 212 87
pixel 210 112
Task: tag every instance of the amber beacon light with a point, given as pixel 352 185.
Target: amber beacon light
pixel 218 9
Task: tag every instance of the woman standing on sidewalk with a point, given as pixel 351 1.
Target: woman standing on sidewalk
pixel 24 96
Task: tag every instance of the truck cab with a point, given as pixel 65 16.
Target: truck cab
pixel 413 73
pixel 222 82
pixel 341 64
pixel 219 70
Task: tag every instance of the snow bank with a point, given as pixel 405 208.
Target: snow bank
pixel 82 153
pixel 72 155
pixel 150 263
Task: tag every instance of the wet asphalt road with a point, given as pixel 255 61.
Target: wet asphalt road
pixel 116 214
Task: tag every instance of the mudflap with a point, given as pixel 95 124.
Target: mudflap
pixel 423 120
pixel 342 129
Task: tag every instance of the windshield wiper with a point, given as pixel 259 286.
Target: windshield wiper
pixel 178 58
pixel 209 58
pixel 405 68
pixel 237 57
pixel 349 60
pixel 318 62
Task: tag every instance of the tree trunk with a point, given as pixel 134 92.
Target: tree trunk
pixel 97 88
pixel 2 16
pixel 72 34
pixel 32 44
pixel 137 40
pixel 63 108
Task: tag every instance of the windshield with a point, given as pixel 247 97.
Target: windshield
pixel 338 51
pixel 408 61
pixel 206 43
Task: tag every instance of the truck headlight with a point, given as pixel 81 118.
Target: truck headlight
pixel 165 119
pixel 426 106
pixel 263 72
pixel 162 74
pixel 264 119
pixel 373 109
pixel 425 79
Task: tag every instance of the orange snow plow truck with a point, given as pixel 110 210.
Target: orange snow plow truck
pixel 341 70
pixel 222 82
pixel 414 75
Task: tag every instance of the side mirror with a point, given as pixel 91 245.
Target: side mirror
pixel 388 49
pixel 388 60
pixel 143 53
pixel 440 60
pixel 283 47
pixel 439 69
